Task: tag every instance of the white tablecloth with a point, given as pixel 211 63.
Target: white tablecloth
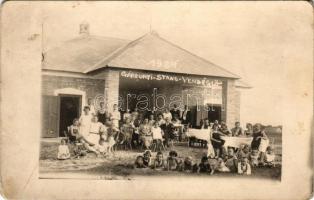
pixel 204 134
pixel 236 141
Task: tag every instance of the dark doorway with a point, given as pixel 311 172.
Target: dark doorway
pixel 69 109
pixel 214 113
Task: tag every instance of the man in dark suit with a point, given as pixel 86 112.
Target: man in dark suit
pixel 186 116
pixel 168 129
pixel 175 111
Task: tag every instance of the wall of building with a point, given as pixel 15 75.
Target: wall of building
pixel 92 87
pixel 52 86
pixel 233 104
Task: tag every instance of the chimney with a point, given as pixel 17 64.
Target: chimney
pixel 84 29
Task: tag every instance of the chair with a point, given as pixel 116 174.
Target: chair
pixel 156 144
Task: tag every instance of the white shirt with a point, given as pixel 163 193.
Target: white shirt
pixel 85 121
pixel 270 157
pixel 95 127
pixel 156 133
pixel 92 110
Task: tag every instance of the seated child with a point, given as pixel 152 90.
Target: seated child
pixel 213 163
pixel 254 158
pixel 204 167
pixel 243 151
pixel 270 157
pixel 221 166
pixel 244 167
pixel 74 131
pixel 127 131
pixel 172 161
pixel 147 158
pixel 79 150
pixel 159 162
pixel 231 160
pixel 139 162
pixel 63 151
pixel 189 165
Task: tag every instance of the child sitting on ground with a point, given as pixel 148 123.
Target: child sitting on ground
pixel 243 151
pixel 147 158
pixel 172 161
pixel 204 167
pixel 244 167
pixel 139 162
pixel 189 165
pixel 159 162
pixel 254 158
pixel 222 166
pixel 74 131
pixel 231 160
pixel 269 157
pixel 63 151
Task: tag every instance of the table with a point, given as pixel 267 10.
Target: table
pixel 204 134
pixel 236 141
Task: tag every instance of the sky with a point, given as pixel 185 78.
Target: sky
pixel 262 42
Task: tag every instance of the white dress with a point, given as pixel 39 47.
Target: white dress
pixel 263 146
pixel 63 152
pixel 115 117
pixel 85 121
pixel 94 131
pixel 157 133
pixel 210 148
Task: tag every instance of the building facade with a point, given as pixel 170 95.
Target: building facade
pixel 149 73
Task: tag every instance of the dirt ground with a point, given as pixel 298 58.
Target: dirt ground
pixel 119 165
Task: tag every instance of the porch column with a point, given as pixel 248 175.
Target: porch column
pixel 111 88
pixel 232 105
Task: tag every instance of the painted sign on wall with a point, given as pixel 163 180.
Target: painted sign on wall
pixel 188 80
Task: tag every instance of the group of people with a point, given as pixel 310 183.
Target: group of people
pixel 100 131
pixel 241 161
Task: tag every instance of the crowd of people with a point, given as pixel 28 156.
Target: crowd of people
pixel 100 132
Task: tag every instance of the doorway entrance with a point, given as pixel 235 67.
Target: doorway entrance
pixel 69 109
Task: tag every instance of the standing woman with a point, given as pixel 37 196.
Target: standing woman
pixel 115 116
pixel 258 134
pixel 85 121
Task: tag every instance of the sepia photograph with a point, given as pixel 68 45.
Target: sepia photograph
pixel 118 107
pixel 156 100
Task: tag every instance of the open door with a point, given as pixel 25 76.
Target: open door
pixel 69 109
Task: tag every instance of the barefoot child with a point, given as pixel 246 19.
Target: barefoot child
pixel 244 167
pixel 172 161
pixel 159 162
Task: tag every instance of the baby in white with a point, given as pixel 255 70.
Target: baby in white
pixel 63 151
